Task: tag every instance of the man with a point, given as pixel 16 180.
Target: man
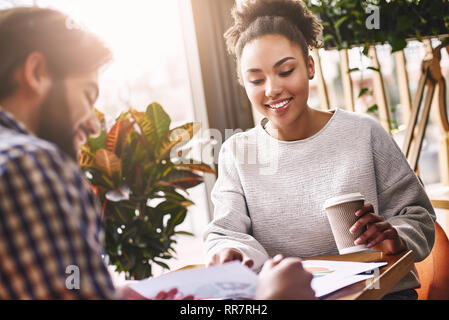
pixel 49 219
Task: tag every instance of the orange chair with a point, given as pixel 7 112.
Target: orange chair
pixel 434 270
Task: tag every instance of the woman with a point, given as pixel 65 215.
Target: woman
pixel 318 155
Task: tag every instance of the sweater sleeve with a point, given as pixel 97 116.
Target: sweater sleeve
pixel 402 200
pixel 231 226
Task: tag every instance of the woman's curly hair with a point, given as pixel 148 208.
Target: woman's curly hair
pixel 256 18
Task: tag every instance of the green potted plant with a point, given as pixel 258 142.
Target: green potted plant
pixel 344 21
pixel 141 186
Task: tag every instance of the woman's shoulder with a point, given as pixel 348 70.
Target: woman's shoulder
pixel 239 136
pixel 360 122
pixel 238 140
pixel 355 116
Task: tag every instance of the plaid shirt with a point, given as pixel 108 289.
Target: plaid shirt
pixel 50 228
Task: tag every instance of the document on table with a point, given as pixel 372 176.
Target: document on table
pixel 235 281
pixel 329 276
pixel 229 281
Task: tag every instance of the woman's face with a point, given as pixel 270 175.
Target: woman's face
pixel 276 79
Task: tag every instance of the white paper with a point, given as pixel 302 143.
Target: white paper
pixel 325 287
pixel 229 281
pixel 330 276
pixel 235 281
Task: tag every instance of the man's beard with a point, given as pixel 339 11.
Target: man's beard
pixel 55 123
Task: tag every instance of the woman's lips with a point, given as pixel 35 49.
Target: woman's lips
pixel 280 110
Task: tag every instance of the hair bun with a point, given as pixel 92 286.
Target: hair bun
pixel 247 11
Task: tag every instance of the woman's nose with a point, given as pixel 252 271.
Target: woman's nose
pixel 272 89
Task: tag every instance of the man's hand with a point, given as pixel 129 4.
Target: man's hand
pixel 379 233
pixel 172 295
pixel 126 293
pixel 284 279
pixel 227 255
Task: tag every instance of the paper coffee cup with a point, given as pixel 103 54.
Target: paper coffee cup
pixel 341 215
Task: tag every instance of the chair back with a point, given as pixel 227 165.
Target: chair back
pixel 434 270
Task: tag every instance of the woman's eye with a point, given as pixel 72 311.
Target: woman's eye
pixel 286 73
pixel 259 81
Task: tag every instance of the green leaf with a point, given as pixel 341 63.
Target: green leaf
pixel 159 118
pixel 100 179
pixel 374 69
pixel 397 43
pixel 177 198
pixel 100 118
pixel 166 207
pixel 328 37
pixel 118 135
pixel 177 219
pixel 340 21
pixel 373 109
pixel 393 109
pixel 171 185
pixel 344 45
pixel 184 233
pixel 86 159
pixel 163 265
pixel 178 137
pixel 365 50
pixel 98 142
pixel 108 162
pixel 363 91
pixel 202 167
pixel 130 150
pixel 147 127
pixel 183 178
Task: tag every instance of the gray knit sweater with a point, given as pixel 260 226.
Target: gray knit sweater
pixel 269 194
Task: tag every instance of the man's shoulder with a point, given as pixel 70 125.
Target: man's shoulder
pixel 14 146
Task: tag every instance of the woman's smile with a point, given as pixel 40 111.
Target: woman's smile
pixel 279 106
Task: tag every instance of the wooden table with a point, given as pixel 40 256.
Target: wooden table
pixel 373 289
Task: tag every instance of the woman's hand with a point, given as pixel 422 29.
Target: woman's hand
pixel 228 255
pixel 284 279
pixel 379 233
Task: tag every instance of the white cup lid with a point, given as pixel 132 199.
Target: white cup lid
pixel 342 199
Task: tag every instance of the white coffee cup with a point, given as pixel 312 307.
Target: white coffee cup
pixel 340 212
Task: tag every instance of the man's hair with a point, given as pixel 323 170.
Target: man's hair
pixel 256 18
pixel 68 50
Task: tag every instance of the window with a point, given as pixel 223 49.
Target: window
pixel 150 64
